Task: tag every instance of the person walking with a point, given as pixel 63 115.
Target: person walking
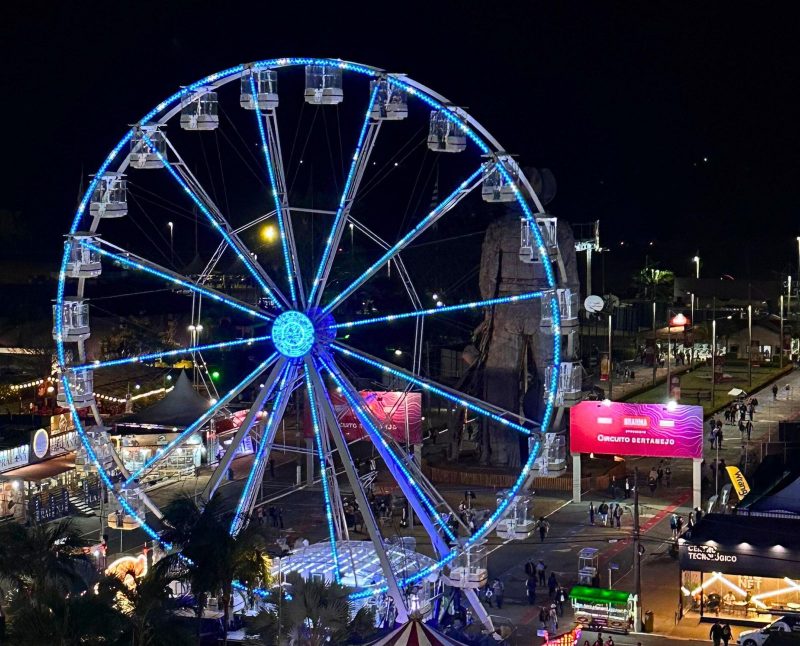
pixel 652 482
pixel 530 589
pixel 552 585
pixel 751 410
pixel 618 516
pixel 775 392
pixel 627 487
pixel 716 633
pixel 720 437
pixel 668 475
pixel 712 437
pixel 553 617
pixel 591 513
pixel 561 600
pixel 748 427
pixel 543 527
pixel 726 633
pixel 498 591
pixel 742 429
pixel 659 473
pixel 541 570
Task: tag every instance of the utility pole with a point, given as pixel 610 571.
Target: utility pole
pixel 637 556
pixel 655 350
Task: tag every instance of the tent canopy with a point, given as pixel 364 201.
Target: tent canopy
pixel 415 633
pixel 182 406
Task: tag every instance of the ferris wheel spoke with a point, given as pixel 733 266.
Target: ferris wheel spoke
pixel 410 483
pixel 132 261
pixel 445 309
pixel 261 456
pixel 183 177
pixel 494 413
pixel 360 159
pixel 203 419
pixel 259 401
pixel 328 412
pixel 323 467
pixel 464 189
pixel 271 148
pixel 171 353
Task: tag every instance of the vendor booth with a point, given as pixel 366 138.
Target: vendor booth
pixel 740 568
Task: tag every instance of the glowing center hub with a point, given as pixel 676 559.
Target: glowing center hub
pixel 293 334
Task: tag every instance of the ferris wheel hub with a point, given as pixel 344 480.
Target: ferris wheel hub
pixel 293 334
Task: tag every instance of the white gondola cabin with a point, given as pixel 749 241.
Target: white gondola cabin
pixel 519 523
pixel 148 148
pixel 101 447
pixel 570 381
pixel 567 304
pixel 73 314
pixel 266 82
pixel 391 102
pixel 444 134
pixel 121 518
pixel 469 569
pixel 81 386
pixel 496 188
pixel 323 84
pixel 110 197
pixel 529 251
pixel 82 262
pixel 200 112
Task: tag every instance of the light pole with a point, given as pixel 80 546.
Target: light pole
pixel 678 320
pixel 691 355
pixel 171 237
pixel 789 297
pixel 655 353
pixel 750 345
pixel 610 362
pixel 780 346
pixel 696 261
pixel 713 362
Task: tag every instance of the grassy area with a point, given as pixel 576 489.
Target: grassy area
pixel 699 379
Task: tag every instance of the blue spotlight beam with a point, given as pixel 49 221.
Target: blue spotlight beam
pixel 443 207
pixel 439 310
pixel 205 417
pixel 279 198
pixel 131 261
pixel 170 353
pixel 262 454
pixel 346 201
pixel 476 406
pixel 323 467
pixel 405 480
pixel 241 252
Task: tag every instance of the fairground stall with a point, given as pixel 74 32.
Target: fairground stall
pixel 601 608
pixel 740 568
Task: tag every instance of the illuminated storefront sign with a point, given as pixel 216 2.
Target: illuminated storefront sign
pixel 653 430
pixel 13 458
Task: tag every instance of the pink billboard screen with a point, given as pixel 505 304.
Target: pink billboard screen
pixel 397 412
pixel 636 429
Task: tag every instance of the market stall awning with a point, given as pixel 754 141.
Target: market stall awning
pixel 42 470
pixel 182 406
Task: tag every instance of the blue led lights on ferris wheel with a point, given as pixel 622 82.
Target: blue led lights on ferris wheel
pixel 323 472
pixel 430 387
pixel 343 201
pixel 377 437
pixel 196 425
pixel 404 240
pixel 293 334
pixel 246 261
pixel 170 353
pixel 439 310
pixel 132 264
pixel 291 271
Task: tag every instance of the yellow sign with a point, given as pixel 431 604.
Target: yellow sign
pixel 740 485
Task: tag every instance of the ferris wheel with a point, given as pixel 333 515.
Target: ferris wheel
pixel 289 301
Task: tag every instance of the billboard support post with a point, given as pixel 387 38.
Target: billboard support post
pixel 696 480
pixel 576 477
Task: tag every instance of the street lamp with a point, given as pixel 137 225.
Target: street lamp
pixel 171 237
pixel 679 320
pixel 696 261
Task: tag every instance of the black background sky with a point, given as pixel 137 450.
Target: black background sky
pixel 623 101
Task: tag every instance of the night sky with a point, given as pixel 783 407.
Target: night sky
pixel 670 123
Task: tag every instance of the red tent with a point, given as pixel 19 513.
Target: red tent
pixel 415 633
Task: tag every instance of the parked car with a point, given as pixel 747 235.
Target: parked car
pixel 785 629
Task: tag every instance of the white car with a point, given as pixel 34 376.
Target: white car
pixel 785 624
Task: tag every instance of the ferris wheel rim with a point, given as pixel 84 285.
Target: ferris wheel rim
pixel 168 108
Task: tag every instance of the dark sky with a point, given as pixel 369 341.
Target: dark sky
pixel 625 102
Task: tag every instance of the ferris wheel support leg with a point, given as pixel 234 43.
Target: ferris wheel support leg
pixel 326 408
pixel 261 457
pixel 247 423
pixel 413 492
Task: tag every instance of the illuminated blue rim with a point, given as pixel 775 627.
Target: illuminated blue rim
pixel 451 114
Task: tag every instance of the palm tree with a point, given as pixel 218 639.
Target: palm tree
pixel 147 607
pixel 316 613
pixel 213 559
pixel 654 284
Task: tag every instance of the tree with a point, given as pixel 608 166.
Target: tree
pixel 654 284
pixel 211 558
pixel 315 613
